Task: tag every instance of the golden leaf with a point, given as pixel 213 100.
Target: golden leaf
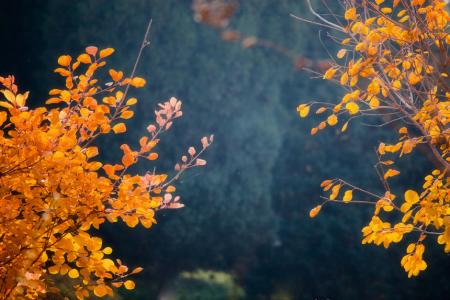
pixel 332 120
pixel 64 60
pixel 137 82
pixel 106 52
pixel 348 196
pixel 315 211
pixel 119 128
pixel 129 284
pixel 411 197
pixel 352 108
pixel 350 14
pixel 303 110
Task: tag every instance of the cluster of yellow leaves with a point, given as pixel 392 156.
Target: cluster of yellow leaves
pixel 394 67
pixel 53 191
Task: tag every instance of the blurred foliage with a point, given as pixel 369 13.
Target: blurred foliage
pixel 203 285
pixel 248 214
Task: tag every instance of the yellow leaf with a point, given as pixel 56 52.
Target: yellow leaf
pixel 348 195
pixel 21 98
pixel 390 173
pixel 332 120
pixel 67 142
pixel 346 41
pixel 354 81
pixel 350 14
pixel 119 128
pixel 411 197
pixel 410 248
pixel 374 102
pixel 407 147
pixel 107 250
pixel 373 88
pixel 404 19
pixel 406 65
pixel 396 84
pixel 9 96
pixel 106 52
pixel 344 78
pixel 344 128
pixel 352 108
pixel 131 101
pixel 341 53
pixel 44 257
pixel 329 73
pixel 137 82
pixel 127 114
pixel 335 191
pixel 303 110
pixel 129 284
pixel 413 78
pixel 5 104
pixel 74 273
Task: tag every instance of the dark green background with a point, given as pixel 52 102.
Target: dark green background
pixel 247 211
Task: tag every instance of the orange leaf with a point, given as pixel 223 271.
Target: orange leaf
pixel 315 211
pixel 64 60
pixel 91 152
pixel 131 101
pixel 128 159
pixel 137 82
pixel 332 120
pixel 100 291
pixel 129 284
pixel 106 52
pixel 119 128
pixel 390 173
pixel 152 156
pixel 127 114
pixel 109 170
pixel 115 75
pixel 84 58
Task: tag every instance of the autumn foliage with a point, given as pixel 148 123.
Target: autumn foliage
pixel 394 65
pixel 54 193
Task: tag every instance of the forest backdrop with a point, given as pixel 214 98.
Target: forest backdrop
pixel 247 212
